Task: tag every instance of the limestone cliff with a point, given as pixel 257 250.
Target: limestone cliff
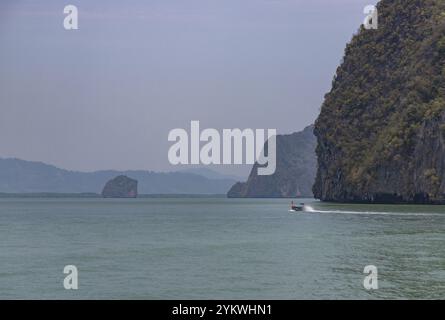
pixel 295 171
pixel 381 131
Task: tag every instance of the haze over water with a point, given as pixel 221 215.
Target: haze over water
pixel 218 249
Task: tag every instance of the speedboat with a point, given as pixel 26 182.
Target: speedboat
pixel 297 208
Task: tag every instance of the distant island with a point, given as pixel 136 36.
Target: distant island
pixel 294 175
pixel 121 187
pixel 381 131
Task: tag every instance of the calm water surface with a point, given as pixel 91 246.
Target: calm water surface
pixel 218 249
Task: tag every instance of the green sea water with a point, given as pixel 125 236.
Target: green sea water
pixel 219 249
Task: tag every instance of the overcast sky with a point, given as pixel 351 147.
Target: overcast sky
pixel 105 96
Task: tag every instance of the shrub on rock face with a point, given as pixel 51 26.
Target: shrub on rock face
pixel 121 187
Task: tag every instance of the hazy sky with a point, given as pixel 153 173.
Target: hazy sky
pixel 105 96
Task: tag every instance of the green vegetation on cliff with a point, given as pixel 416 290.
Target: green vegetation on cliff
pixel 381 131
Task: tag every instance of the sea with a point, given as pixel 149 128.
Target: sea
pixel 217 248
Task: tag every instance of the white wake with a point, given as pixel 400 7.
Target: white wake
pixel 311 209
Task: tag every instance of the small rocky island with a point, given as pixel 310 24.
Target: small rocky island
pixel 121 187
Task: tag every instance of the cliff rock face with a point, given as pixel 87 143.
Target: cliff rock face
pixel 121 187
pixel 381 131
pixel 295 171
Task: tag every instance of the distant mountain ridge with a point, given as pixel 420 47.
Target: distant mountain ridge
pixel 20 176
pixel 210 174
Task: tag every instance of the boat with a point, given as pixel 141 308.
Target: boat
pixel 297 208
